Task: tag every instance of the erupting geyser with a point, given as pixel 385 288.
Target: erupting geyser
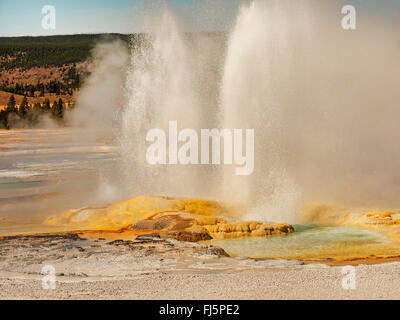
pixel 323 102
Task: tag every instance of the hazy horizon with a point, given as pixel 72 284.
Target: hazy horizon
pixel 106 33
pixel 24 17
pixel 119 16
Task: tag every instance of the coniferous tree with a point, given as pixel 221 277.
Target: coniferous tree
pixel 46 106
pixel 23 108
pixel 59 112
pixel 32 91
pixel 3 119
pixel 10 111
pixel 34 114
pixel 56 111
pixel 37 107
pixel 54 107
pixel 11 105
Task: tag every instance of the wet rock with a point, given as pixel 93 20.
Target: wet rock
pixel 193 228
pixel 154 235
pixel 182 219
pixel 188 236
pixel 143 225
pixel 116 242
pixel 130 212
pixel 162 223
pixel 216 251
pixel 248 229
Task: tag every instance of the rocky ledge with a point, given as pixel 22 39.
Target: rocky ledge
pixel 182 219
pixel 189 227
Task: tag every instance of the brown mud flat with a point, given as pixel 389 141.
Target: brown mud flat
pixel 98 265
pixel 83 241
pixel 130 265
pixel 135 239
pixel 115 254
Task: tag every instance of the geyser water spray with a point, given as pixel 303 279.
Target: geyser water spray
pixel 322 100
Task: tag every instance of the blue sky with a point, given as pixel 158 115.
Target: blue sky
pixel 23 17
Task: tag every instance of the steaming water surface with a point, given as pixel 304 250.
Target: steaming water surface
pixel 43 172
pixel 311 242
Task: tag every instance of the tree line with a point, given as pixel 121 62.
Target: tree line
pixel 26 115
pixel 71 80
pixel 28 52
pixel 25 57
pixel 25 53
pixel 39 89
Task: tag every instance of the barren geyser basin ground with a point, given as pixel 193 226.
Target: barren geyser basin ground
pixel 155 247
pixel 258 160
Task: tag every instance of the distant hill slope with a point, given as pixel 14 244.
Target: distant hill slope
pixel 44 75
pixel 47 66
pixel 55 66
pixel 62 39
pixel 51 51
pixel 5 96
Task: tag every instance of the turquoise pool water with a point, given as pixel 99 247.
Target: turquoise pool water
pixel 309 242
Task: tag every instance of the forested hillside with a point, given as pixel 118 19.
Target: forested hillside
pixel 43 75
pixel 52 51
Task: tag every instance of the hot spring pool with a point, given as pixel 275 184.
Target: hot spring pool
pixel 312 243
